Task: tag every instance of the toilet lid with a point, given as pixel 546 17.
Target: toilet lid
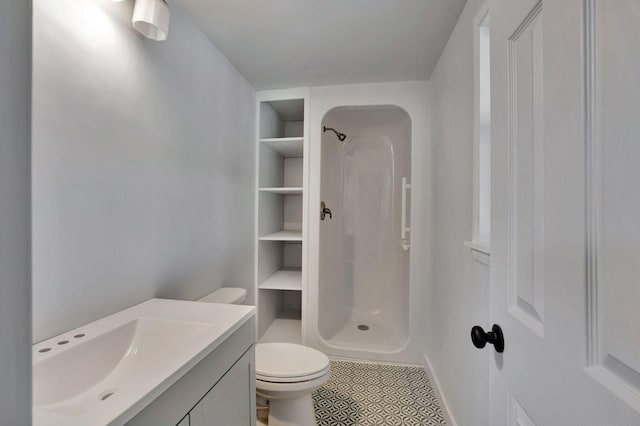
pixel 288 361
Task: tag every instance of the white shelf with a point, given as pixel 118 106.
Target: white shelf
pixel 283 236
pixel 283 280
pixel 286 147
pixel 283 190
pixel 281 167
pixel 284 330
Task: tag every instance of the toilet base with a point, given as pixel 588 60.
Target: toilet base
pixel 292 412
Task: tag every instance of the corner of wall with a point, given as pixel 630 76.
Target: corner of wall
pixel 454 279
pixel 444 403
pixel 15 222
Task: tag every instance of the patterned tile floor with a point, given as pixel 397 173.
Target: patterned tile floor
pixel 374 394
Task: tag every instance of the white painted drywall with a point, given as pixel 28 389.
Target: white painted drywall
pixel 143 164
pixel 457 296
pixel 15 222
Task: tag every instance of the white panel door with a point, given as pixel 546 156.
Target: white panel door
pixel 565 278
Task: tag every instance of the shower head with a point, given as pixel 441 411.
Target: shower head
pixel 341 136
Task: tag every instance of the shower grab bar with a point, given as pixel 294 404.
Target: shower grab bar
pixel 404 242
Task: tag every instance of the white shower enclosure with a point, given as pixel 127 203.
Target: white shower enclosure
pixel 363 278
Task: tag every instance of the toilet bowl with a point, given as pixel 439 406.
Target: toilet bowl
pixel 286 375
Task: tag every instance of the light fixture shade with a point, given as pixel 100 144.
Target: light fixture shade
pixel 151 18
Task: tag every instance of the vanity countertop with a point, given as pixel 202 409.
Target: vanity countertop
pixel 107 371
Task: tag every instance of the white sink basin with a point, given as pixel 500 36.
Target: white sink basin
pixel 107 371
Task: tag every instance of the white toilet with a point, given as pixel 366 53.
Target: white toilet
pixel 286 373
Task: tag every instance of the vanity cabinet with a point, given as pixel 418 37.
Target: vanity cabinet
pixel 226 403
pixel 217 391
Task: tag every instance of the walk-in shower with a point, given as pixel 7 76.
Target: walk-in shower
pixel 363 288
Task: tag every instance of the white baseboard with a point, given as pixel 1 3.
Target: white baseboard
pixel 443 400
pixel 367 361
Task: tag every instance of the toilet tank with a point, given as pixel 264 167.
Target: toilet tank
pixel 228 295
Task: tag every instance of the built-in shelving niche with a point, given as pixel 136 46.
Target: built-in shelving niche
pixel 281 142
pixel 285 324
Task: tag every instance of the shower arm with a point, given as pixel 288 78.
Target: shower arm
pixel 341 136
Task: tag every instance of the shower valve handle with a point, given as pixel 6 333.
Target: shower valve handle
pixel 325 211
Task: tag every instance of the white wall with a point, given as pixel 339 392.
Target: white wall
pixel 457 296
pixel 143 164
pixel 15 259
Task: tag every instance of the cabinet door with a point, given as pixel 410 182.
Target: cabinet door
pixel 232 400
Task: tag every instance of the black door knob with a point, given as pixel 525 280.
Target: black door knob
pixel 480 338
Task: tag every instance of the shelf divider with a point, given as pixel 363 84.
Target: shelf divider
pixel 285 279
pixel 292 236
pixel 283 190
pixel 286 147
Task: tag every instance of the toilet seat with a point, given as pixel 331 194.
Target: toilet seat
pixel 289 363
pixel 271 389
pixel 293 379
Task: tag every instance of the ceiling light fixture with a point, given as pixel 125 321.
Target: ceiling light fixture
pixel 151 18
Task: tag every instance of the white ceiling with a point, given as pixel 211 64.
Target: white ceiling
pixel 288 43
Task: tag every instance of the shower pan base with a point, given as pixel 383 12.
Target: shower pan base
pixel 379 337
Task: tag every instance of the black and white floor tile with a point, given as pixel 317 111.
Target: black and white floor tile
pixel 375 394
